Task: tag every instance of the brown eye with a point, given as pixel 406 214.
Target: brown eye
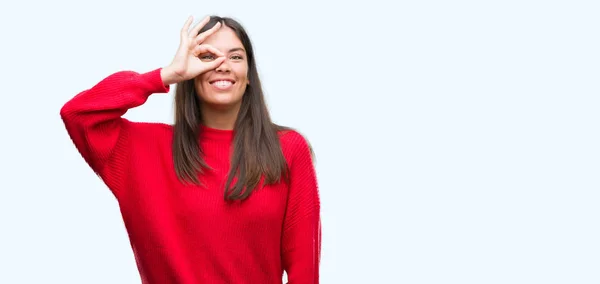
pixel 207 57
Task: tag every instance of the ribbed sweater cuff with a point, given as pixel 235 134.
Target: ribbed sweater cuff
pixel 154 79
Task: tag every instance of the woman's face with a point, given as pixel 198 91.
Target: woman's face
pixel 224 86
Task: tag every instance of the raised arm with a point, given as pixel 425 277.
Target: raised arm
pixel 301 244
pixel 93 118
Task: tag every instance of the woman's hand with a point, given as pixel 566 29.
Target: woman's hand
pixel 187 64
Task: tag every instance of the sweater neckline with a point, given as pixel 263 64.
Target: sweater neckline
pixel 215 134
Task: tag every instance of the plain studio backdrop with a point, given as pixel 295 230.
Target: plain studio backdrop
pixel 456 141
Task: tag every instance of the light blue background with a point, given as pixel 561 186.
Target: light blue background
pixel 456 141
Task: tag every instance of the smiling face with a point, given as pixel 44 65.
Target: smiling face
pixel 224 86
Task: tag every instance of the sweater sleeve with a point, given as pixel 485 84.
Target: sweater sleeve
pixel 93 119
pixel 302 224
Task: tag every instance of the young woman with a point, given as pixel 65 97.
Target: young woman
pixel 222 196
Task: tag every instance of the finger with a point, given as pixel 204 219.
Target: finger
pixel 215 63
pixel 204 48
pixel 202 37
pixel 186 26
pixel 199 26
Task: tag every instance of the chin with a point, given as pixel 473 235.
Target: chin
pixel 222 100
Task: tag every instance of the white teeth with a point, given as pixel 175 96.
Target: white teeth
pixel 222 84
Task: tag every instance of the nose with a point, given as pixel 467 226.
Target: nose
pixel 223 67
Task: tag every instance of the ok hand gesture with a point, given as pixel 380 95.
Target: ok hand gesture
pixel 187 64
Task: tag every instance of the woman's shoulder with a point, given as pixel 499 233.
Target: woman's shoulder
pixel 294 142
pixel 290 136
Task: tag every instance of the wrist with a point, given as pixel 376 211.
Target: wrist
pixel 168 76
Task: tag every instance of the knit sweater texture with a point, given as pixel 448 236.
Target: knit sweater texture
pixel 189 234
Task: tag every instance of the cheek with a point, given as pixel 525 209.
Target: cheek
pixel 201 81
pixel 198 86
pixel 198 82
pixel 242 88
pixel 242 74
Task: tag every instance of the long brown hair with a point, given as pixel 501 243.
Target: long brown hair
pixel 256 148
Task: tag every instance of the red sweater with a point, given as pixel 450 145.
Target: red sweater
pixel 190 234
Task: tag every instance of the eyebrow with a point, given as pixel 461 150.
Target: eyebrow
pixel 237 49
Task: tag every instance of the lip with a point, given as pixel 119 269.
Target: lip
pixel 221 79
pixel 220 88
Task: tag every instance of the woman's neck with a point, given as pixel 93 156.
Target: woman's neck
pixel 220 118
